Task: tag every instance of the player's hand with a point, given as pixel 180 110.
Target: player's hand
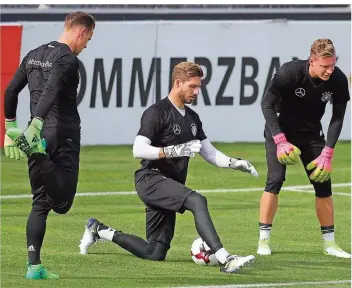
pixel 11 151
pixel 29 138
pixel 287 153
pixel 243 165
pixel 181 150
pixel 323 166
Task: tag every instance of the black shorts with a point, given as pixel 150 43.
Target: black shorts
pixel 310 150
pixel 63 150
pixel 163 197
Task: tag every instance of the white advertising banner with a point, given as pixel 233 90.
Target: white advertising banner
pixel 127 66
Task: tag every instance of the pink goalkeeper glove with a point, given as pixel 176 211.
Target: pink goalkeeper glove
pixel 287 154
pixel 323 166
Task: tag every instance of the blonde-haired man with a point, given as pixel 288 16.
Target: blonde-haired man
pixel 51 72
pixel 293 107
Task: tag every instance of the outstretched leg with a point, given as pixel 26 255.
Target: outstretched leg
pixel 160 225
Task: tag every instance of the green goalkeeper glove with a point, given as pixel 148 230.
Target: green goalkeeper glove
pixel 29 140
pixel 11 151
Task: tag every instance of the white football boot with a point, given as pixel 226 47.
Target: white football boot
pixel 264 247
pixel 234 263
pixel 331 248
pixel 90 235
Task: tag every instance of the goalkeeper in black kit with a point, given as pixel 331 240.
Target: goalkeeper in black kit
pixel 52 140
pixel 169 135
pixel 293 107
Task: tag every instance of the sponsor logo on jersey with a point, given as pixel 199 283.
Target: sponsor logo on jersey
pixel 300 92
pixel 177 129
pixel 40 63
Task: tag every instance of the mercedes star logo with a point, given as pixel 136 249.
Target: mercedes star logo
pixel 177 129
pixel 300 92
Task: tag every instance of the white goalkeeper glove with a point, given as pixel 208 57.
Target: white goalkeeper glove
pixel 243 165
pixel 181 150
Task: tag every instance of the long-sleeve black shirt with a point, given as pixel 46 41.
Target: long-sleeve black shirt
pixel 164 125
pixel 295 103
pixel 51 72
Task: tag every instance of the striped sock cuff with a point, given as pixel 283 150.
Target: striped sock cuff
pixel 327 229
pixel 263 226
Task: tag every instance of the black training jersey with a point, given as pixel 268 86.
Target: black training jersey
pixel 164 125
pixel 51 71
pixel 301 100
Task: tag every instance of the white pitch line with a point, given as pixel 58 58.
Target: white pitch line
pixel 298 189
pixel 272 284
pixel 310 186
pixel 313 192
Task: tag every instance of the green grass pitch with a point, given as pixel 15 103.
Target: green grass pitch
pixel 296 238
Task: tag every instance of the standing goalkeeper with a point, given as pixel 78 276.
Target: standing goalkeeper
pixel 51 72
pixel 293 107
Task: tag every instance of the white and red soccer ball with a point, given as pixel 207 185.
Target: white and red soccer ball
pixel 202 255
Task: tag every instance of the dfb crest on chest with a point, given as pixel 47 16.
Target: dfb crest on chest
pixel 194 129
pixel 177 129
pixel 326 96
